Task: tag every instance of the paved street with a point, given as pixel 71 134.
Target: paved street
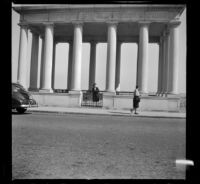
pixel 91 146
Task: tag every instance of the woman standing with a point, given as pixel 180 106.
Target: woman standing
pixel 95 93
pixel 136 99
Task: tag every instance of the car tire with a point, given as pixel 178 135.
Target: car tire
pixel 21 110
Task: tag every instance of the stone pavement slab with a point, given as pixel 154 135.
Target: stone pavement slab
pixel 103 111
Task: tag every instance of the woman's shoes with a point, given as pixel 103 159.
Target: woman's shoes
pixel 136 113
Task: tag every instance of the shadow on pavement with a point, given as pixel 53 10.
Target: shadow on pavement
pixel 16 113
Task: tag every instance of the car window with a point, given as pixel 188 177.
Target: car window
pixel 17 87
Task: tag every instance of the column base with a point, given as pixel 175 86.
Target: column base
pixel 158 93
pixel 108 99
pixel 163 94
pixel 109 93
pixel 172 92
pixel 74 92
pixel 33 89
pixel 46 91
pixel 169 95
pixel 117 89
pixel 172 95
pixel 144 93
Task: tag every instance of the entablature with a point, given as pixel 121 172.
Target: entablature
pixel 101 13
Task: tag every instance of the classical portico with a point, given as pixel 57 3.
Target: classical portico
pixel 113 24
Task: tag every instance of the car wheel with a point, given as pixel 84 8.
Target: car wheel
pixel 21 110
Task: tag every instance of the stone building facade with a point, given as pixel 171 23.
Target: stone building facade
pixel 114 24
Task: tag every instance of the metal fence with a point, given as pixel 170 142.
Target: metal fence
pixel 60 90
pixel 87 100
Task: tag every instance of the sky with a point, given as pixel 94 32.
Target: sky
pixel 128 61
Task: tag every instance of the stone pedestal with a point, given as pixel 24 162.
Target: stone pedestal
pixel 108 100
pixel 75 98
pixel 46 91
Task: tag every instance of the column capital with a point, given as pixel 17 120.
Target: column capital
pixel 165 33
pixel 23 25
pixel 114 23
pixel 174 23
pixel 144 23
pixel 77 23
pixel 48 24
pixel 161 38
pixel 34 32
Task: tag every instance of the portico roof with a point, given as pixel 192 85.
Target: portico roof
pixel 95 18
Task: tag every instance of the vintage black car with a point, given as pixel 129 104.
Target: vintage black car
pixel 21 99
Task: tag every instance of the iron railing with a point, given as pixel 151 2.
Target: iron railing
pixel 87 99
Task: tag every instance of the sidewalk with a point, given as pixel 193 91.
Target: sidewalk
pixel 100 111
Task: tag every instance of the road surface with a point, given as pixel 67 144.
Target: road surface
pixel 56 146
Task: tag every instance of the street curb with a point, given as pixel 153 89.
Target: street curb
pixel 104 114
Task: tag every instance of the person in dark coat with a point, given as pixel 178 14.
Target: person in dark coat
pixel 136 100
pixel 95 93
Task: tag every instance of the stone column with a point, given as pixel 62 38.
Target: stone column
pixel 77 54
pixel 92 67
pixel 160 66
pixel 174 57
pixel 142 73
pixel 69 73
pixel 163 65
pixel 118 65
pixel 167 62
pixel 34 62
pixel 111 57
pixel 138 65
pixel 42 59
pixel 53 66
pixel 48 58
pixel 22 60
